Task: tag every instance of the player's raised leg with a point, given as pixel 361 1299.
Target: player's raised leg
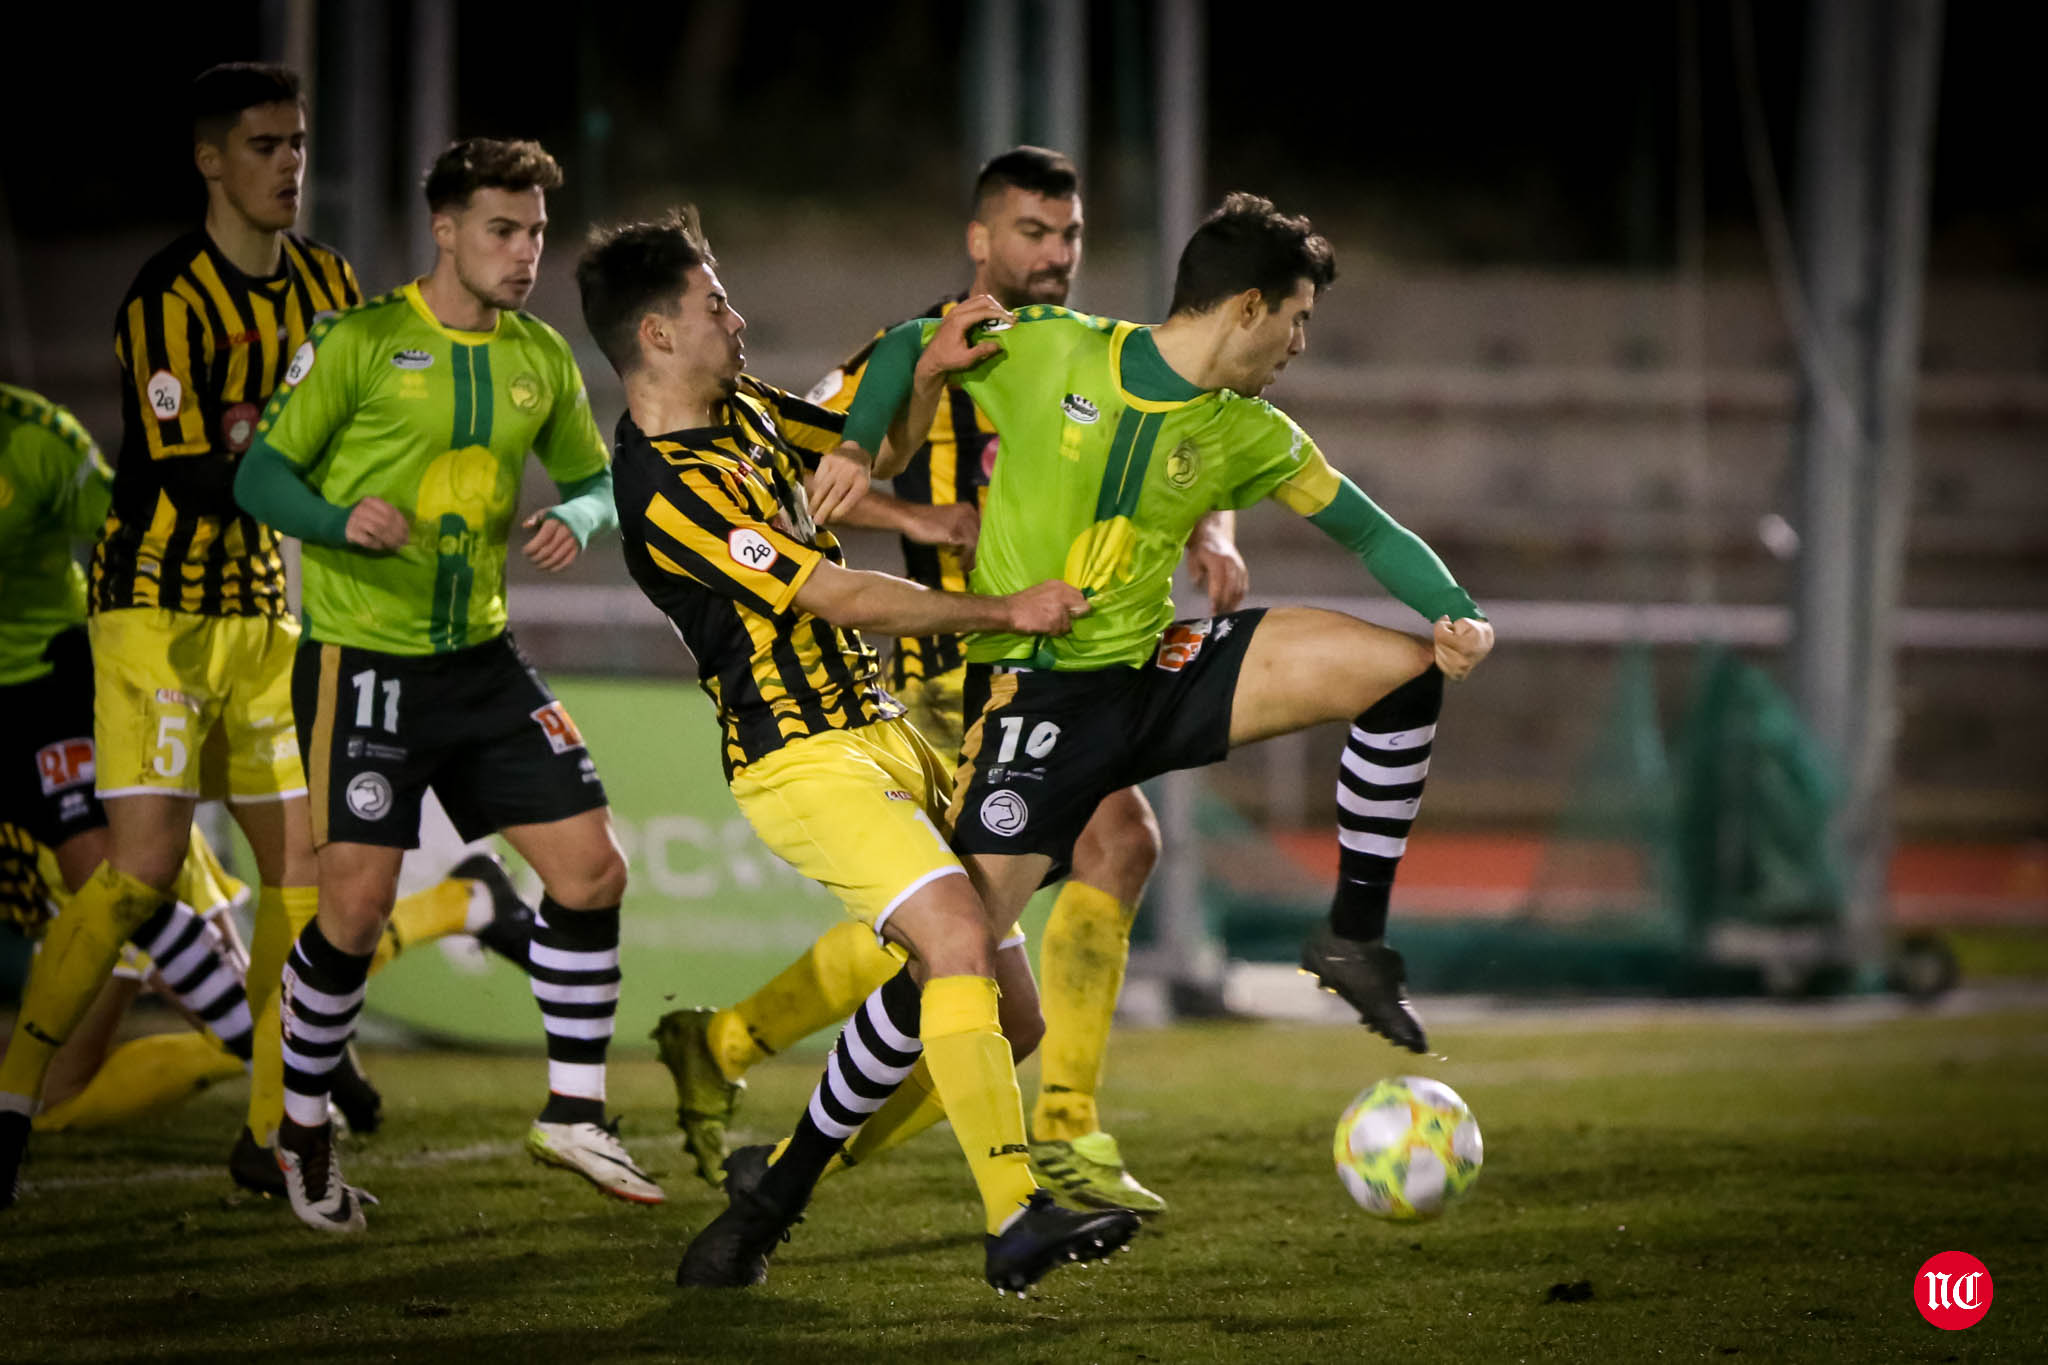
pixel 1304 667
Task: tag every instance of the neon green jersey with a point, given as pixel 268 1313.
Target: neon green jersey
pixel 383 401
pixel 54 493
pixel 1101 487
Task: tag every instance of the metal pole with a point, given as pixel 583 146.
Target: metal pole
pixel 430 123
pixel 1866 143
pixel 365 117
pixel 994 93
pixel 1062 74
pixel 1192 961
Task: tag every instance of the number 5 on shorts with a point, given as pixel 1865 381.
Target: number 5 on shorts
pixel 171 752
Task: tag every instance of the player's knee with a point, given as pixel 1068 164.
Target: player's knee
pixel 154 863
pixel 593 882
pixel 1120 847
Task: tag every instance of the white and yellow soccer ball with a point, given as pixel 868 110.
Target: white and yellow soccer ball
pixel 1407 1147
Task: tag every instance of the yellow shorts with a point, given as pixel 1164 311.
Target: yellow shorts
pixel 935 707
pixel 855 811
pixel 187 705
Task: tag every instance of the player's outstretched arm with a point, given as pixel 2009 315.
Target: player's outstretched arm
pixel 904 369
pixel 880 602
pixel 954 525
pixel 269 489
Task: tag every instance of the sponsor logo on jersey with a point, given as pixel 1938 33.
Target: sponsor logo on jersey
pixel 166 395
pixel 1184 465
pixel 1079 409
pixel 238 427
pixel 554 722
pixel 1004 813
pixel 898 794
pixel 302 364
pixel 527 393
pixel 369 796
pixel 410 359
pixel 67 763
pixel 171 696
pixel 751 550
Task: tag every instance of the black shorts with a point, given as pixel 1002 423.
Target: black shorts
pixel 46 771
pixel 1049 746
pixel 477 725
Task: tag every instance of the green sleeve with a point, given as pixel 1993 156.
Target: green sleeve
pixel 271 490
pixel 314 401
pixel 586 507
pixel 1393 554
pixel 885 384
pixel 569 445
pixel 80 486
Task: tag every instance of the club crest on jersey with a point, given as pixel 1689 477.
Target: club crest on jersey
pixel 410 359
pixel 1184 466
pixel 1079 409
pixel 751 550
pixel 302 364
pixel 527 392
pixel 238 426
pixel 166 395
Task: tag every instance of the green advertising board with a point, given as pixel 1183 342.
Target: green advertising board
pixel 709 912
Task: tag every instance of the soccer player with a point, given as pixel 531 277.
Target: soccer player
pixel 720 532
pixel 54 493
pixel 1116 440
pixel 394 451
pixel 1024 241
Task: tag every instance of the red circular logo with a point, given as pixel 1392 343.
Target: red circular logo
pixel 1953 1291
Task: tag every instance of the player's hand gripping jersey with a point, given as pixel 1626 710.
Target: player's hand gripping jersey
pixel 384 401
pixel 202 347
pixel 1109 458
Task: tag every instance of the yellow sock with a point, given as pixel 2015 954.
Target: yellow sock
pixel 440 910
pixel 78 952
pixel 821 987
pixel 1081 963
pixel 975 1078
pixel 141 1077
pixel 282 912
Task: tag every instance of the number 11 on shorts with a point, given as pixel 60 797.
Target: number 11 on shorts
pixel 365 684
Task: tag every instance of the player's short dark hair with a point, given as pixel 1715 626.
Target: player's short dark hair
pixel 629 270
pixel 220 94
pixel 1035 170
pixel 488 163
pixel 1249 244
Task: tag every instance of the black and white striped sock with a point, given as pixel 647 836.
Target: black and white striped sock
pixel 1379 788
pixel 573 963
pixel 188 958
pixel 322 995
pixel 876 1049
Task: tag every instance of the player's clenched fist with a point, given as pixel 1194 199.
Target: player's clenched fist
pixel 1047 608
pixel 1460 645
pixel 377 526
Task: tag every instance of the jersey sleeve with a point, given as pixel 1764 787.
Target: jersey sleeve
pixel 813 431
pixel 698 526
pixel 1274 458
pixel 161 341
pixel 837 389
pixel 75 483
pixel 316 398
pixel 569 445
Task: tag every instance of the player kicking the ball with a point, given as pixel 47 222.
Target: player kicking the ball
pixel 394 453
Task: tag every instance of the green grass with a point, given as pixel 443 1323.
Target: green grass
pixel 1732 1187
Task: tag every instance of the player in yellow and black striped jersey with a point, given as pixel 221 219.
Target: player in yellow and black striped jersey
pixel 202 345
pixel 731 517
pixel 719 532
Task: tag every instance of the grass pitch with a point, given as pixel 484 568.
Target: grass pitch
pixel 1729 1186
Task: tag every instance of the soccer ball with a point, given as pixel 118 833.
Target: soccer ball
pixel 1406 1148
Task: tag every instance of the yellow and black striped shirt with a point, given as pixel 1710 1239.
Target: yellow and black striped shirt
pixel 718 535
pixel 201 347
pixel 951 466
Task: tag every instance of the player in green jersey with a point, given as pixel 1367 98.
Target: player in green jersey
pixel 394 451
pixel 1116 439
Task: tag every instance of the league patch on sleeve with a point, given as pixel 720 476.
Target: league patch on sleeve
pixel 302 364
pixel 826 388
pixel 751 550
pixel 166 395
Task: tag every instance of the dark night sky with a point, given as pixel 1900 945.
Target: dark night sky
pixel 1474 134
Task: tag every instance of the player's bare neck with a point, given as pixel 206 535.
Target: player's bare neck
pixel 659 404
pixel 256 252
pixel 452 303
pixel 1193 348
